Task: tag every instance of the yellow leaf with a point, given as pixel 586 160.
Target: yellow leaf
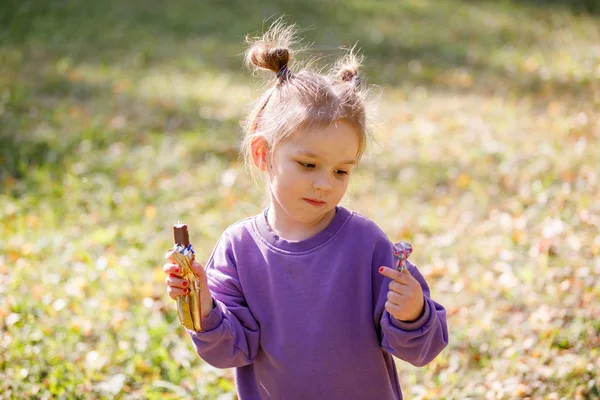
pixel 517 237
pixel 37 291
pixel 158 275
pixel 150 212
pixel 32 221
pixel 463 181
pixel 122 304
pixel 554 108
pixel 146 289
pixel 13 256
pixel 26 249
pixel 531 65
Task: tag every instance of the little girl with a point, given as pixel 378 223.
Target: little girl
pixel 303 299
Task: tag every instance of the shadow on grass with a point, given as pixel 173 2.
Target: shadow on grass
pixel 46 126
pixel 575 6
pixel 191 35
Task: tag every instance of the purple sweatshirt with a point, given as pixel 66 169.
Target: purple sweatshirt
pixel 306 320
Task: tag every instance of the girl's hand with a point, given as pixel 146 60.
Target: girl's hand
pixel 178 287
pixel 405 300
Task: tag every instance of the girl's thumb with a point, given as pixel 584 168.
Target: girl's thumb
pixel 197 268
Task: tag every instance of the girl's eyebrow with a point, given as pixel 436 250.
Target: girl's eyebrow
pixel 311 155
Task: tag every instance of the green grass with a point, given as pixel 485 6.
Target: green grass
pixel 119 118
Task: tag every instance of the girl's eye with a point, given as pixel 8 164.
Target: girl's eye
pixel 306 165
pixel 341 172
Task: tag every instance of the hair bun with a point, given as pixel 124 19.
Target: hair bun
pixel 274 59
pixel 346 70
pixel 271 51
pixel 348 75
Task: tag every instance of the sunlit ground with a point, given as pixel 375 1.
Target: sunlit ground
pixel 119 119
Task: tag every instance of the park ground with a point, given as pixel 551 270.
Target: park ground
pixel 117 119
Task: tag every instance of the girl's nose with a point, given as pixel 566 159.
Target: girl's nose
pixel 323 182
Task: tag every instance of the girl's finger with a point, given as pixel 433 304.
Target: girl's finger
pixel 403 291
pixel 176 292
pixel 171 268
pixel 197 267
pixel 389 272
pixel 394 298
pixel 176 282
pixel 169 254
pixel 398 287
pixel 394 275
pixel 392 308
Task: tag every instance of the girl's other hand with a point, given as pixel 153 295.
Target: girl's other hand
pixel 405 300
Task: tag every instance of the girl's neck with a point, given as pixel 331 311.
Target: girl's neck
pixel 293 231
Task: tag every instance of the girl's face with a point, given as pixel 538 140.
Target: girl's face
pixel 308 175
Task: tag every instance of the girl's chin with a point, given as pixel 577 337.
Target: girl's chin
pixel 316 215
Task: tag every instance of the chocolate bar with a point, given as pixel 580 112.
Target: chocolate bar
pixel 188 305
pixel 181 235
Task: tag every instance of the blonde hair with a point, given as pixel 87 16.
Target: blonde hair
pixel 303 99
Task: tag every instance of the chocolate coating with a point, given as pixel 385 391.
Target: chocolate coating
pixel 181 235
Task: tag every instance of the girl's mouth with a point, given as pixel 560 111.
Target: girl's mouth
pixel 316 203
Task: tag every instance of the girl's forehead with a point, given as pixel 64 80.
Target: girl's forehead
pixel 335 141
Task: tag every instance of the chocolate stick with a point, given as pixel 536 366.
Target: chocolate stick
pixel 188 305
pixel 181 235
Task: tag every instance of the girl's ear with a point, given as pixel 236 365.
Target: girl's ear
pixel 259 152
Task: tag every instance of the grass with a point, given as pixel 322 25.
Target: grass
pixel 119 118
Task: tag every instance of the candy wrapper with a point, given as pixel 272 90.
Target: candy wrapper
pixel 188 306
pixel 401 251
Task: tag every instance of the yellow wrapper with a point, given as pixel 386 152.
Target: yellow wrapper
pixel 188 306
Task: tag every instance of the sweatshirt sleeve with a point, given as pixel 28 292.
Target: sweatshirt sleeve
pixel 417 342
pixel 230 336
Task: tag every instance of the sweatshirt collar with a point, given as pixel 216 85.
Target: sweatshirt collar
pixel 320 238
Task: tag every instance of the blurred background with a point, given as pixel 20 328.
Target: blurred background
pixel 120 118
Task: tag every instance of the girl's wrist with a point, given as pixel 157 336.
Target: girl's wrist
pixel 419 315
pixel 207 303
